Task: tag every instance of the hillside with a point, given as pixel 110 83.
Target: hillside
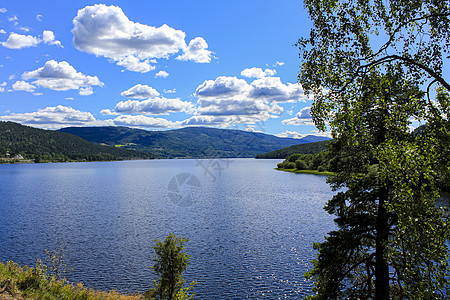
pixel 310 148
pixel 189 142
pixel 49 145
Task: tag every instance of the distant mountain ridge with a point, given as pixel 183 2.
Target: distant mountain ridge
pixel 49 145
pixel 188 142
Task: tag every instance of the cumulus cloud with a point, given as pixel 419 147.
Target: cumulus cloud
pixel 106 31
pixel 2 31
pixel 61 76
pixel 3 10
pixel 196 51
pixel 55 118
pixel 224 87
pixel 172 91
pixel 291 134
pixel 153 106
pixel 257 72
pixel 303 117
pixel 267 88
pixel 144 122
pixel 272 88
pixel 162 74
pixel 86 91
pixel 48 37
pixel 140 91
pixel 19 41
pixel 23 86
pixel 242 102
pixel 39 18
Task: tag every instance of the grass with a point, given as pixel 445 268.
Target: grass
pixel 35 283
pixel 314 172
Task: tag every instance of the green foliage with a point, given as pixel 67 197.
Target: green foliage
pixel 309 148
pixel 47 145
pixel 392 241
pixel 35 283
pixel 189 142
pixel 319 161
pixel 170 263
pixel 300 164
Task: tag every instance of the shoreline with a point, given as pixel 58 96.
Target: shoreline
pixel 313 172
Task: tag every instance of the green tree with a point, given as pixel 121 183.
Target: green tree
pixel 170 263
pixel 300 164
pixel 391 238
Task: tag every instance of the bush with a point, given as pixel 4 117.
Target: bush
pixel 294 157
pixel 300 164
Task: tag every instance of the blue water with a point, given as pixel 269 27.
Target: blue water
pixel 250 228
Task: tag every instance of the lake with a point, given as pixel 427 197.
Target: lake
pixel 250 228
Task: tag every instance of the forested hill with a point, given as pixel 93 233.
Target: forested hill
pixel 49 145
pixel 310 148
pixel 189 142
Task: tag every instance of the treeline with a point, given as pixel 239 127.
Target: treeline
pixel 47 145
pixel 321 162
pixel 309 148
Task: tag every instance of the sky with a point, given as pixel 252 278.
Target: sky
pixel 154 65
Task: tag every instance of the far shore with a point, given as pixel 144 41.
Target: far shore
pixel 314 172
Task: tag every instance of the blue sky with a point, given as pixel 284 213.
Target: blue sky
pixel 154 65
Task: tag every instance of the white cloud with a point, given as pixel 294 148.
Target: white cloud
pixel 106 31
pixel 87 91
pixel 303 117
pixel 3 84
pixel 108 112
pixel 2 31
pixel 56 117
pixel 144 122
pixel 11 77
pixel 2 89
pixel 3 10
pixel 69 98
pixel 48 37
pixel 140 91
pixel 133 63
pixel 153 106
pixel 257 72
pixel 13 19
pixel 39 18
pixel 162 74
pixel 61 76
pixel 196 51
pixel 224 87
pixel 291 134
pixel 23 86
pixel 19 41
pixel 242 102
pixel 172 91
pixel 279 64
pixel 273 89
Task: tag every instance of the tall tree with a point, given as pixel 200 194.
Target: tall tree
pixel 391 238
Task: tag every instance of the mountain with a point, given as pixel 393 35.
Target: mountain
pixel 49 145
pixel 189 142
pixel 310 148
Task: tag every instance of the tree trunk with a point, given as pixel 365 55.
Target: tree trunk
pixel 381 265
